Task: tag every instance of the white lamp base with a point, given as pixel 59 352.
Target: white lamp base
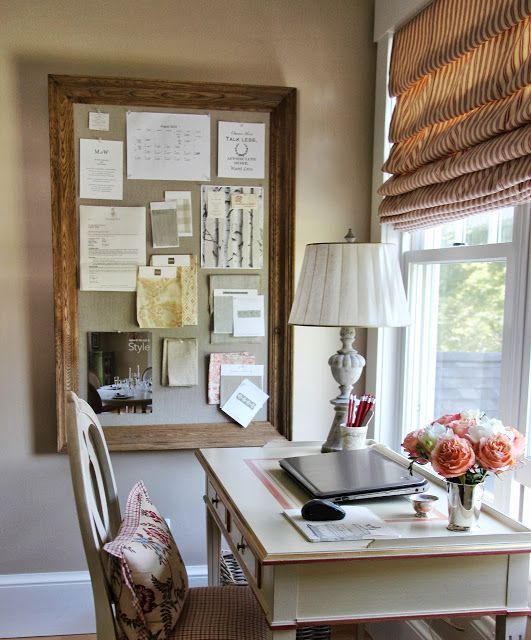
pixel 346 366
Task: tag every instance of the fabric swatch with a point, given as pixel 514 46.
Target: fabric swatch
pixel 214 370
pixel 159 297
pixel 179 362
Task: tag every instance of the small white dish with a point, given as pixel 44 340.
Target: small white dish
pixel 423 504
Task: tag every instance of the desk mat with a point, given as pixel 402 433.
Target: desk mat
pixel 290 496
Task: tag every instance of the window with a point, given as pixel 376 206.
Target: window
pixel 466 346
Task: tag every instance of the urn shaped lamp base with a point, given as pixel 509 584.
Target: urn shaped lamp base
pixel 346 366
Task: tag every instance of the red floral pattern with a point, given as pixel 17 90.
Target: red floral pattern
pixel 148 580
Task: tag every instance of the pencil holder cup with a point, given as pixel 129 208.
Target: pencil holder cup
pixel 353 437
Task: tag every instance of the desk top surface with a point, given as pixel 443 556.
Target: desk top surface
pixel 257 491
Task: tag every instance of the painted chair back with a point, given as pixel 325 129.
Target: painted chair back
pixel 97 503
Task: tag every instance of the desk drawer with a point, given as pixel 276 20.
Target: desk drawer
pixel 244 555
pixel 217 503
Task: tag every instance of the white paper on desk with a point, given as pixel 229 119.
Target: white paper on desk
pixel 248 316
pixel 241 149
pixel 168 146
pixel 112 245
pixel 183 200
pixel 359 523
pixel 101 165
pixel 245 403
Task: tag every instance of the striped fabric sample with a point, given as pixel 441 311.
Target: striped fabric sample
pixel 462 121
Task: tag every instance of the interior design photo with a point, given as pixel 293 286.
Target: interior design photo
pixel 266 320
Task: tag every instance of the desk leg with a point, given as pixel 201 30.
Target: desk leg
pixel 213 550
pixel 511 627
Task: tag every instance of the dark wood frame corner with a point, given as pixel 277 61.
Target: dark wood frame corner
pixel 280 103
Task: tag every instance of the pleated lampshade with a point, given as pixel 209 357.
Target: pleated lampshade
pixel 350 284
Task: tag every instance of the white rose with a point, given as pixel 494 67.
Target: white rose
pixel 485 428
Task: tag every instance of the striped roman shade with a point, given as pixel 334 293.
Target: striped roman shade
pixel 461 127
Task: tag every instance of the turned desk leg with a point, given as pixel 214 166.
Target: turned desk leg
pixel 213 550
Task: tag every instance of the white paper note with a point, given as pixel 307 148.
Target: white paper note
pixel 168 146
pixel 223 308
pixel 248 316
pixel 245 403
pixel 359 523
pixel 183 200
pixel 241 149
pixel 112 244
pixel 216 204
pixel 99 121
pixel 101 169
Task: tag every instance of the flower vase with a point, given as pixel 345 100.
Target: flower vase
pixel 464 505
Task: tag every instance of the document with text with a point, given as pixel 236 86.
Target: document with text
pixel 112 244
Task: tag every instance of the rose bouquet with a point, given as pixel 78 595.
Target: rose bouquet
pixel 466 446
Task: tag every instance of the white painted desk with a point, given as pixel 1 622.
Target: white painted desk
pixel 427 572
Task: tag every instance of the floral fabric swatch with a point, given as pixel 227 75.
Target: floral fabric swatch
pixel 159 297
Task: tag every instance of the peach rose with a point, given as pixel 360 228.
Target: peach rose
pixel 452 456
pixel 496 453
pixel 518 439
pixel 411 445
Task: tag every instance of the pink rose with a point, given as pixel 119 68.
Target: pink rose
pixel 496 453
pixel 447 418
pixel 452 456
pixel 518 439
pixel 461 427
pixel 411 445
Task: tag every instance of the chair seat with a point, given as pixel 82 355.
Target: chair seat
pixel 221 613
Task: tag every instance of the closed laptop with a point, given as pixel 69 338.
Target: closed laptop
pixel 352 475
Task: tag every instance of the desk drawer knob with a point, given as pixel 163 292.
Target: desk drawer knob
pixel 241 546
pixel 215 500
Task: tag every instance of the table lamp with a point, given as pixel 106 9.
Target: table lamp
pixel 348 285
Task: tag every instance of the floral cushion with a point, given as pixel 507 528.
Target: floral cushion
pixel 148 577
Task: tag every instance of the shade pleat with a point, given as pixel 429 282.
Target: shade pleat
pixel 462 120
pixel 447 138
pixel 420 49
pixel 496 69
pixel 350 285
pixel 519 193
pixel 467 187
pixel 508 146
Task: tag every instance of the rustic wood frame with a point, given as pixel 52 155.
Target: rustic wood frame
pixel 280 103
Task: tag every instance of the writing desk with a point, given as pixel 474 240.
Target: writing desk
pixel 427 572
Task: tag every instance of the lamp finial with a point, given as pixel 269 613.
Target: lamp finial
pixel 350 237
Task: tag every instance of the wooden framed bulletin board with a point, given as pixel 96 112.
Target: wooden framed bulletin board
pixel 231 234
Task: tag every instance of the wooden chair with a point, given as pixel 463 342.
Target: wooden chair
pixel 211 613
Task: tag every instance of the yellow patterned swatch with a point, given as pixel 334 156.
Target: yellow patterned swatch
pixel 189 292
pixel 159 297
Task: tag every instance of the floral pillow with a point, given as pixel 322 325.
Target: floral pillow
pixel 148 577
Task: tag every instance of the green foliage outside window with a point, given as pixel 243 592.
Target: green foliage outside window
pixel 471 299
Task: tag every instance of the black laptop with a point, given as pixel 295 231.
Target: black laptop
pixel 352 475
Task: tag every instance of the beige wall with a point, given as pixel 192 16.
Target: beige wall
pixel 322 47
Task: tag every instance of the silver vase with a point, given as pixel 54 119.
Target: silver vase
pixel 464 505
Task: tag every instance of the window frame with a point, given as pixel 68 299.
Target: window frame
pixel 386 347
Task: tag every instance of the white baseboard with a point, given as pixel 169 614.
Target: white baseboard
pixel 55 604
